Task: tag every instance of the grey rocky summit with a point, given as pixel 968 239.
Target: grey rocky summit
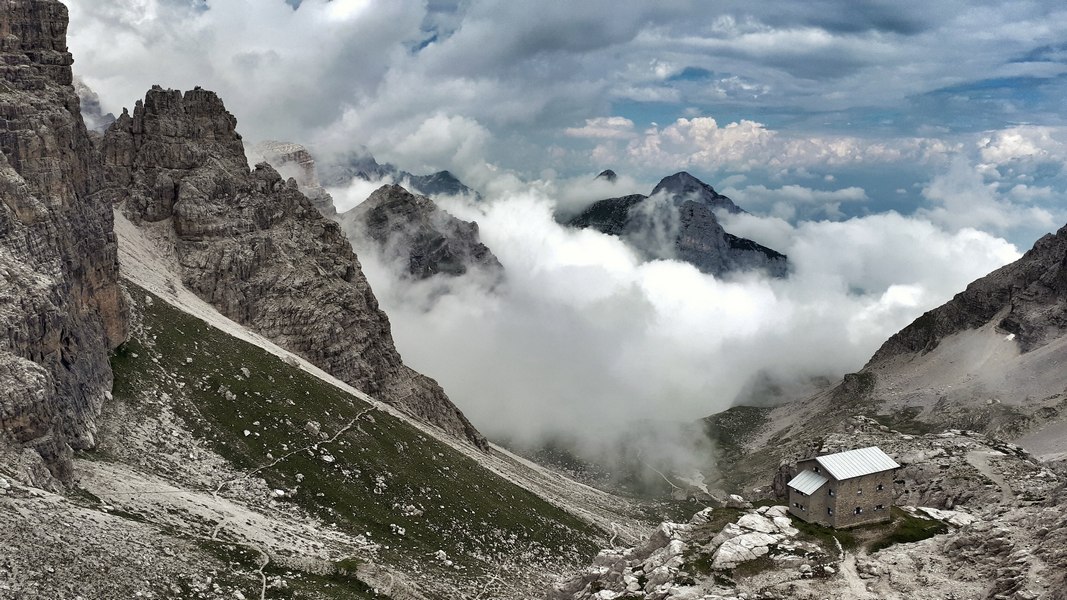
pixel 678 221
pixel 608 175
pixel 682 187
pixel 255 247
pixel 411 229
pixel 60 302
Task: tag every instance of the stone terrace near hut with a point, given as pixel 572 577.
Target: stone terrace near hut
pixel 842 490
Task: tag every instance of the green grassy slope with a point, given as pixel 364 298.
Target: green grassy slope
pixel 380 477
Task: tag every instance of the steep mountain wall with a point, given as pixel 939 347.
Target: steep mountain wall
pixel 256 248
pixel 1028 298
pixel 61 307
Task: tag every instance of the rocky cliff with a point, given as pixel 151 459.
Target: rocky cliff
pixel 678 222
pixel 1027 299
pixel 255 247
pixel 411 229
pixel 61 307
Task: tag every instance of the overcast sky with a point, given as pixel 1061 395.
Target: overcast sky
pixel 896 150
pixel 813 109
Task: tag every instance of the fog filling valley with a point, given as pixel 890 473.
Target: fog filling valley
pixel 883 214
pixel 585 343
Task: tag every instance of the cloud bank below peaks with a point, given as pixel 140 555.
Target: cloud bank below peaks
pixel 583 338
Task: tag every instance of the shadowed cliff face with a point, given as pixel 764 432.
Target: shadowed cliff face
pixel 61 308
pixel 255 247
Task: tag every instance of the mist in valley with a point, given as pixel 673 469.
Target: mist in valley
pixel 590 355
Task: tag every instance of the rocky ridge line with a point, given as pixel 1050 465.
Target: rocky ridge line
pixel 60 301
pixel 255 247
pixel 1028 298
pixel 338 171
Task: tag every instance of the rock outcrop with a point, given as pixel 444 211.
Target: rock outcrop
pixel 254 246
pixel 61 306
pixel 294 160
pixel 678 222
pixel 411 229
pixel 669 563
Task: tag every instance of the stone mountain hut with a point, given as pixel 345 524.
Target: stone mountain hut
pixel 845 489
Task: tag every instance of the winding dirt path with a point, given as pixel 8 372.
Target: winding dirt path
pixel 857 588
pixel 979 459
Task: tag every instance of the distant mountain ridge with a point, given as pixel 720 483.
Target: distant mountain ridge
pixel 340 171
pixel 677 221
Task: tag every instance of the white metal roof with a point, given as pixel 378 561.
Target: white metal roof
pixel 807 481
pixel 856 463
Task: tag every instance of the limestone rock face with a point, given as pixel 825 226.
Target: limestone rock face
pixel 413 230
pixel 678 222
pixel 254 246
pixel 61 306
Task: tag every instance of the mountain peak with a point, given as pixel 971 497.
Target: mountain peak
pixel 411 230
pixel 683 186
pixel 608 175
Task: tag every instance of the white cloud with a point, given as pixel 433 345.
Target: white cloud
pixel 791 201
pixel 962 198
pixel 584 338
pixel 700 142
pixel 348 197
pixel 618 128
pixel 1026 144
